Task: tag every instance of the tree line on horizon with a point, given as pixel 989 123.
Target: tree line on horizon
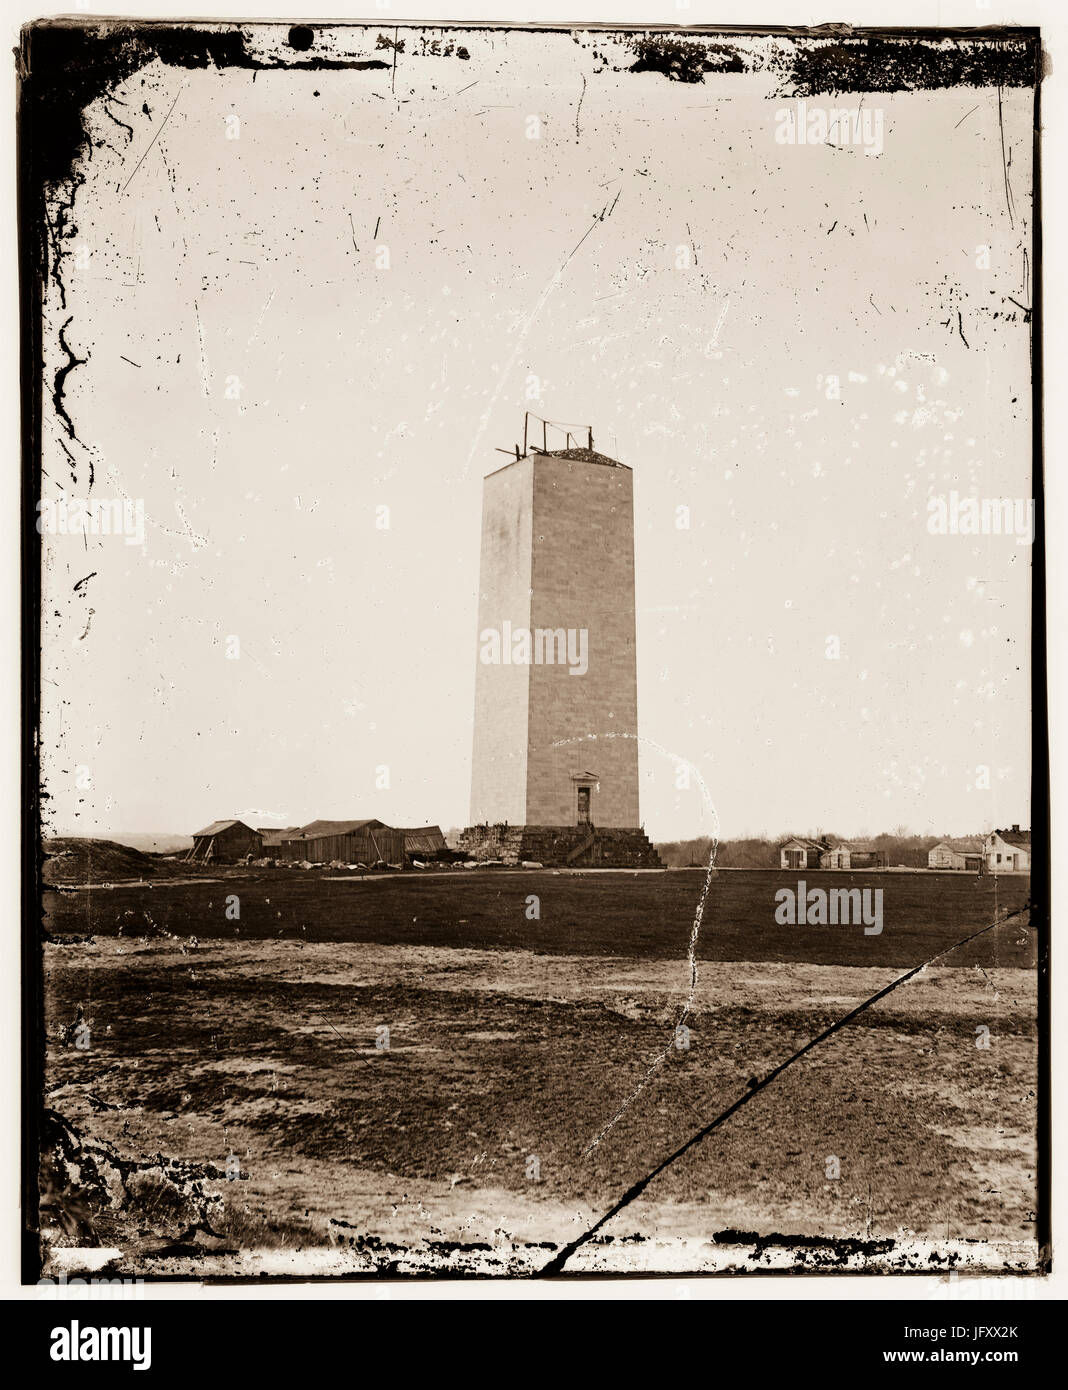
pixel 757 852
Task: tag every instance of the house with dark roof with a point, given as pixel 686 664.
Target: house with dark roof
pixel 1008 851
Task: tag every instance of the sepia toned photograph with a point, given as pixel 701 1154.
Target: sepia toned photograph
pixel 534 598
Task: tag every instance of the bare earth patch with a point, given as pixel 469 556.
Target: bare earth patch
pixel 461 1147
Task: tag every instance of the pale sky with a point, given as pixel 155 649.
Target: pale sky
pixel 289 383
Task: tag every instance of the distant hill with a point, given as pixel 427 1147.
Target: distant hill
pixel 103 861
pixel 152 842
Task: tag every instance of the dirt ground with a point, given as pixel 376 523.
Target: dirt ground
pixel 460 1141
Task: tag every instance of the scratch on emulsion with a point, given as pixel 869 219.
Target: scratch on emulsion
pixel 263 311
pixel 204 374
pixel 527 326
pixel 155 137
pixel 1005 162
pixel 563 1255
pixel 695 929
pixel 714 340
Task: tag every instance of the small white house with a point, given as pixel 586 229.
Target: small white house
pixel 1008 851
pixel 956 854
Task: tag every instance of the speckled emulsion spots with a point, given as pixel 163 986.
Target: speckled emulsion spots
pixel 504 493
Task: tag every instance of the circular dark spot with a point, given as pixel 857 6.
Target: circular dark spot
pixel 301 37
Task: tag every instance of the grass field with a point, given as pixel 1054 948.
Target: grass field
pixel 463 1145
pixel 646 915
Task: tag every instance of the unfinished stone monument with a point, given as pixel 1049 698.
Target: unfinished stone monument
pixel 555 768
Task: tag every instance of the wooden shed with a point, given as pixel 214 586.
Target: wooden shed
pixel 801 853
pixel 351 841
pixel 272 839
pixel 225 840
pixel 853 854
pixel 423 841
pixel 956 854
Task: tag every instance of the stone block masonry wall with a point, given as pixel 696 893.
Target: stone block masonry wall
pixel 582 577
pixel 499 762
pixel 614 847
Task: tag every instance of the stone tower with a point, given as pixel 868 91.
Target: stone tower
pixel 555 766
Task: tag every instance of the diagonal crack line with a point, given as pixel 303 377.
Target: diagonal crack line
pixel 527 326
pixel 152 142
pixel 1009 202
pixel 662 1056
pixel 556 1264
pixel 695 929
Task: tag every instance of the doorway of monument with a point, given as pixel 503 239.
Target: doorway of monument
pixel 584 805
